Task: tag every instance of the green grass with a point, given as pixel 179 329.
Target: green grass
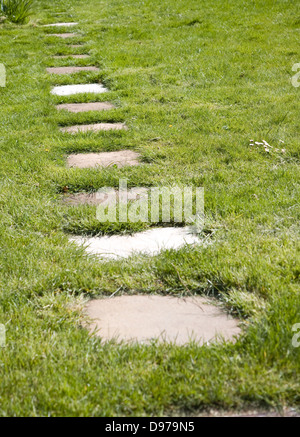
pixel 194 81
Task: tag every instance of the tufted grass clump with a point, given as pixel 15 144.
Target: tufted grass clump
pixel 16 11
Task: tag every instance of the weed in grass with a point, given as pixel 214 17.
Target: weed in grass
pixel 16 11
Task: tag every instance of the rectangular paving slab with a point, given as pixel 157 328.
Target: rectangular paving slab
pixel 94 127
pixel 70 70
pixel 63 35
pixel 60 25
pixel 142 319
pixel 85 107
pixel 69 90
pixel 104 159
pixel 71 56
pixel 150 242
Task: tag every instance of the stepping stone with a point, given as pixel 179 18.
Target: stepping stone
pixel 69 90
pixel 70 70
pixel 94 127
pixel 142 319
pixel 71 56
pixel 84 107
pixel 60 25
pixel 105 159
pixel 149 242
pixel 97 199
pixel 63 35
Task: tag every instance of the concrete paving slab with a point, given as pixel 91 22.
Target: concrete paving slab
pixel 70 70
pixel 63 35
pixel 94 127
pixel 143 319
pixel 149 242
pixel 61 25
pixel 85 107
pixel 71 56
pixel 76 199
pixel 105 159
pixel 69 90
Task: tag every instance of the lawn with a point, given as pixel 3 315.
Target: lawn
pixel 194 81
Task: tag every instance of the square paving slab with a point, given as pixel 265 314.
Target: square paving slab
pixel 105 159
pixel 149 242
pixel 166 319
pixel 84 107
pixel 93 127
pixel 69 90
pixel 70 70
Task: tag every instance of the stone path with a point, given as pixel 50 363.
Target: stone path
pixel 132 318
